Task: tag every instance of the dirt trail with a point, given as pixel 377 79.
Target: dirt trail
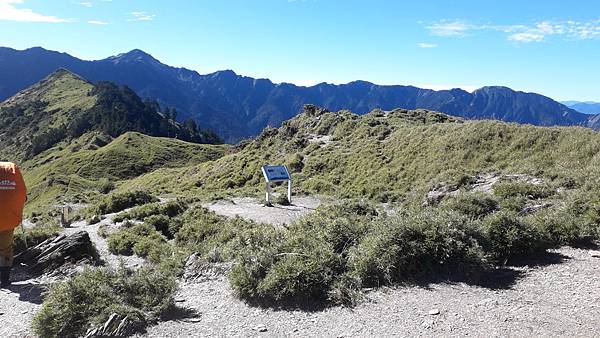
pixel 18 306
pixel 559 299
pixel 252 209
pixel 557 295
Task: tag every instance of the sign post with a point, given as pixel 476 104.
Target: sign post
pixel 273 174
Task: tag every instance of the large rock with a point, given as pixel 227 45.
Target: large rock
pixel 56 252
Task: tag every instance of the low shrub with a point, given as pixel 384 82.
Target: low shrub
pixel 88 299
pixel 515 189
pixel 166 225
pixel 475 206
pixel 140 213
pixel 418 242
pixel 338 250
pixel 507 237
pixel 140 239
pixel 121 201
pixel 33 236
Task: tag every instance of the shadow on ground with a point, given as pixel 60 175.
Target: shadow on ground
pixel 23 284
pixel 29 292
pixel 498 278
pixel 177 313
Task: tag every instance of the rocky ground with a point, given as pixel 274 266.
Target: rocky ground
pixel 251 208
pixel 19 304
pixel 557 294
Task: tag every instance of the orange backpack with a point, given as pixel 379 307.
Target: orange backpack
pixel 12 196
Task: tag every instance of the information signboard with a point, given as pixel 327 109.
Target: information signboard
pixel 276 173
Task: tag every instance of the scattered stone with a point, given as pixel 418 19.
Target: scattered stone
pixel 193 320
pixel 260 328
pixel 595 254
pixel 434 312
pixel 427 323
pixel 439 192
pixel 533 208
pixel 24 311
pixel 198 269
pixel 116 326
pixel 179 300
pixel 95 219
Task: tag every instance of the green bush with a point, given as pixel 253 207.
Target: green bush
pixel 105 186
pixel 88 299
pixel 161 223
pixel 33 236
pixel 121 201
pixel 516 189
pixel 414 243
pixel 169 209
pixel 507 237
pixel 475 206
pixel 214 237
pixel 140 239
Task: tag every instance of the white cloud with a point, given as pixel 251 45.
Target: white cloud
pixel 10 12
pixel 97 22
pixel 540 31
pixel 427 45
pixel 526 37
pixel 86 4
pixel 142 16
pixel 449 28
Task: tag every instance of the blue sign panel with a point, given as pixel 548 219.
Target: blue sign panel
pixel 276 173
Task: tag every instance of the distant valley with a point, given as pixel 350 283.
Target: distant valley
pixel 237 107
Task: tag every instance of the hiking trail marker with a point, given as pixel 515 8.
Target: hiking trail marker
pixel 274 174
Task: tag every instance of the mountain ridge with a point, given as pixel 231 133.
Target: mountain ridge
pixel 587 107
pixel 237 106
pixel 63 106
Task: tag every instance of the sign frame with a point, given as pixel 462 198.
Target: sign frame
pixel 274 174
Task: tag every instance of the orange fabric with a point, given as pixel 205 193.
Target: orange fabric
pixel 12 196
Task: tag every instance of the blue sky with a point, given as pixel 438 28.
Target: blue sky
pixel 550 47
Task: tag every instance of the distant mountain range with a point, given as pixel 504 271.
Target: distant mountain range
pixel 587 107
pixel 236 106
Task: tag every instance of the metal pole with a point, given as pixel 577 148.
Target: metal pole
pixel 268 193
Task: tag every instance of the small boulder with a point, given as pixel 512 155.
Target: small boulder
pixel 54 253
pixel 434 312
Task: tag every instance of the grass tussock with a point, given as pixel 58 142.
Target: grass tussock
pixel 120 201
pixel 88 299
pixel 339 250
pixel 33 236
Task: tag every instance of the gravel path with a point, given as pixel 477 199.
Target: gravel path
pixel 558 295
pixel 18 307
pixel 101 243
pixel 250 208
pixel 561 298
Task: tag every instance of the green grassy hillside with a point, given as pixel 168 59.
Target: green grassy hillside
pixel 45 106
pixel 391 156
pixel 83 168
pixel 63 106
